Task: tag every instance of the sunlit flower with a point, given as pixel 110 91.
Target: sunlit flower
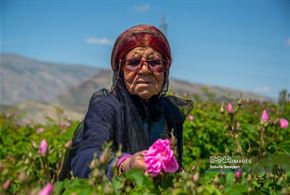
pixel 230 108
pixel 39 130
pixel 69 118
pixel 64 124
pixel 67 124
pixel 283 123
pixel 6 185
pixel 8 115
pixel 222 110
pixel 68 144
pixel 160 157
pixel 43 147
pixel 190 118
pixel 195 177
pixel 238 174
pixel 47 190
pixel 265 116
pixel 22 176
pixel 33 144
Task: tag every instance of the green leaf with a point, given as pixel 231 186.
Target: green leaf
pixel 117 183
pixel 285 145
pixel 137 176
pixel 229 178
pixel 236 189
pixel 211 189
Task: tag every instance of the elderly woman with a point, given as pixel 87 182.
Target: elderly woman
pixel 136 112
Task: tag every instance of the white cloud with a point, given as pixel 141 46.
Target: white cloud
pixel 99 41
pixel 142 8
pixel 263 89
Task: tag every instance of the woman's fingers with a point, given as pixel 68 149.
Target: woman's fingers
pixel 141 153
pixel 138 160
pixel 141 164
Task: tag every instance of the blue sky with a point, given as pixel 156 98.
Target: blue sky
pixel 237 44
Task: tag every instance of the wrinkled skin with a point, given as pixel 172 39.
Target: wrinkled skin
pixel 136 161
pixel 143 83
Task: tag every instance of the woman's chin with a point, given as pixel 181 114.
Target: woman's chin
pixel 145 95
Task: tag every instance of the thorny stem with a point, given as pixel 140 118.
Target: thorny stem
pixel 45 167
pixel 162 182
pixel 239 148
pixel 232 127
pixel 261 142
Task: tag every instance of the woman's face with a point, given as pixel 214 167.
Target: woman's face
pixel 143 82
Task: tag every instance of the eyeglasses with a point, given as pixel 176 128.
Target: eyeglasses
pixel 154 65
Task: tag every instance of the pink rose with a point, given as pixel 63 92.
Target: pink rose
pixel 190 118
pixel 230 108
pixel 64 124
pixel 68 144
pixel 39 130
pixel 160 157
pixel 6 185
pixel 69 118
pixel 67 124
pixel 47 190
pixel 195 177
pixel 283 123
pixel 265 116
pixel 238 174
pixel 43 147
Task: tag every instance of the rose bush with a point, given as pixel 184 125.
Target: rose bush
pixel 255 130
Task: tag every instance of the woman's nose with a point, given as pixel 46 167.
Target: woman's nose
pixel 144 68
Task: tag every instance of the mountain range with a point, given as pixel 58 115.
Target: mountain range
pixel 29 80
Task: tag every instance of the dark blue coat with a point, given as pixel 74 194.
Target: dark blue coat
pixel 104 122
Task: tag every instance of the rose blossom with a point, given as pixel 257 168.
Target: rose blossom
pixel 230 108
pixel 69 118
pixel 160 157
pixel 190 118
pixel 64 124
pixel 6 185
pixel 43 148
pixel 238 174
pixel 265 116
pixel 47 190
pixel 283 123
pixel 39 130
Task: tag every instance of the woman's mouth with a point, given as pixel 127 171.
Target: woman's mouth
pixel 143 82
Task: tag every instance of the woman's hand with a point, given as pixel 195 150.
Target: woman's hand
pixel 134 162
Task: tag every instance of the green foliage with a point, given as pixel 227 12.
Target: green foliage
pixel 212 132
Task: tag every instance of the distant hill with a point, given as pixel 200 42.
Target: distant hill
pixel 23 79
pixel 78 97
pixel 220 93
pixel 32 86
pixel 40 113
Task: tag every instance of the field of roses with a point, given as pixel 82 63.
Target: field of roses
pixel 235 147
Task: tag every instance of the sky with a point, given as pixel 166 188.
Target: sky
pixel 239 44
